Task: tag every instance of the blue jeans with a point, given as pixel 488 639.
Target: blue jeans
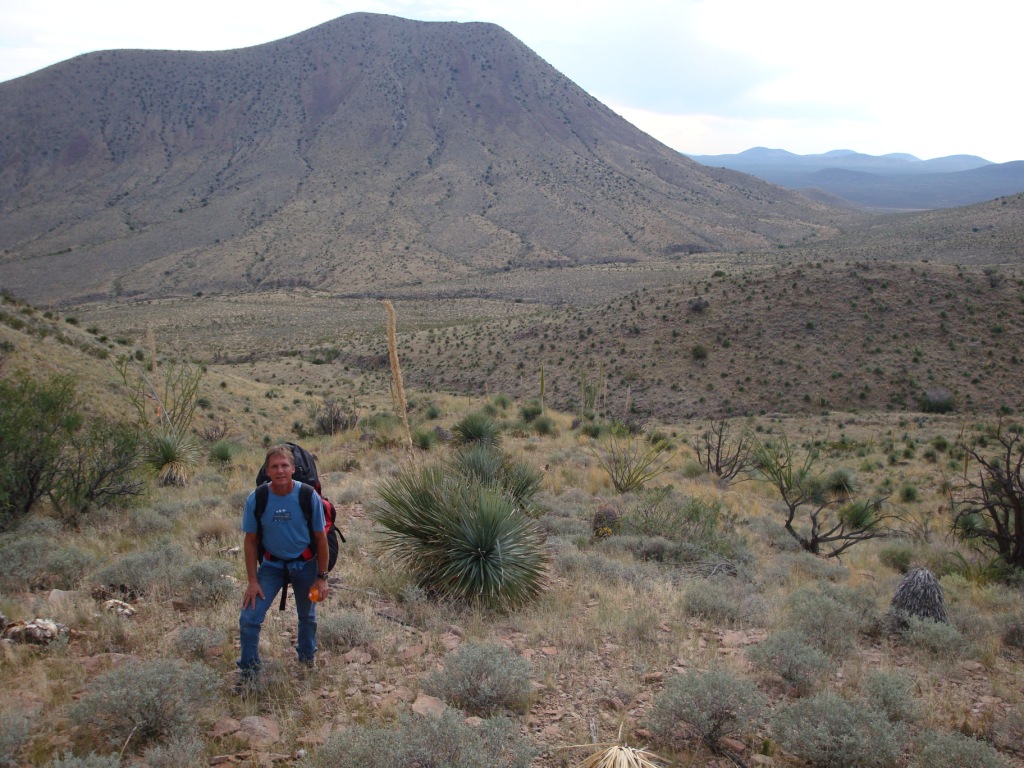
pixel 302 575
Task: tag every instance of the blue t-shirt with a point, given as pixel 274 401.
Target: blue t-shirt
pixel 285 533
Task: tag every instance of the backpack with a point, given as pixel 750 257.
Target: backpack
pixel 309 480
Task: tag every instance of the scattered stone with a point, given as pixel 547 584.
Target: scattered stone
pixel 224 727
pixel 474 722
pixel 734 746
pixel 451 642
pixel 428 705
pixel 223 760
pixel 413 651
pixel 549 650
pixel 260 730
pixel 764 760
pixel 357 656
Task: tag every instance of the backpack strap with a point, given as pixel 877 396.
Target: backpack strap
pixel 306 503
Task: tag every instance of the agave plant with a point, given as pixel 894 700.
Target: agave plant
pixel 462 538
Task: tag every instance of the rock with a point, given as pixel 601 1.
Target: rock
pixel 474 722
pixel 36 632
pixel 120 607
pixel 451 642
pixel 734 746
pixel 61 595
pixel 764 760
pixel 357 656
pixel 413 651
pixel 428 705
pixel 224 727
pixel 260 730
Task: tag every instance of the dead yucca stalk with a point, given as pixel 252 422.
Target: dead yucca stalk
pixel 618 756
pixel 396 373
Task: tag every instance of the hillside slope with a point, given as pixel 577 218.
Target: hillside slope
pixel 369 150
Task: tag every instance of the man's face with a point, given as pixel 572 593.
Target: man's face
pixel 279 470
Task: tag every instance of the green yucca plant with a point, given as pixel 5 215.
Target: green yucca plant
pixel 174 456
pixel 461 538
pixel 487 465
pixel 477 427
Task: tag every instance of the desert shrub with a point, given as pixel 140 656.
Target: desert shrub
pixel 897 555
pixel 829 617
pixel 37 562
pixel 938 400
pixel 593 429
pixel 723 601
pixel 776 536
pixel 204 583
pixel 1008 731
pixel 892 694
pixel 178 752
pixel 937 638
pixel 714 704
pixel 530 411
pixel 544 426
pixel 445 740
pixel 660 512
pixel 148 521
pixel 92 760
pixel 196 642
pixel 632 462
pixel 830 732
pixel 1013 632
pixel 167 568
pixel 15 729
pixel 481 679
pixel 788 654
pixel 479 428
pixel 222 451
pixel 466 540
pixel 950 749
pixel 150 700
pixel 424 438
pixel 348 630
pixel 36 420
pixel 432 412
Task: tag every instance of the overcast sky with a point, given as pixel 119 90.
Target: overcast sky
pixel 703 76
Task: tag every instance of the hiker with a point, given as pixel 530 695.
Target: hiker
pixel 294 551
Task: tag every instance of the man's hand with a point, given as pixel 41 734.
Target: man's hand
pixel 253 591
pixel 322 588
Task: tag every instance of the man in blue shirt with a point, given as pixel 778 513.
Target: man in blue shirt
pixel 292 548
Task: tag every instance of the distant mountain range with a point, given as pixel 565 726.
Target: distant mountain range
pixel 367 153
pixel 895 181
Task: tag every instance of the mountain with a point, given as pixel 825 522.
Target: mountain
pixel 893 181
pixel 369 151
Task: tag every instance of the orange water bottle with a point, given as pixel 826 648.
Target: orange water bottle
pixel 314 594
